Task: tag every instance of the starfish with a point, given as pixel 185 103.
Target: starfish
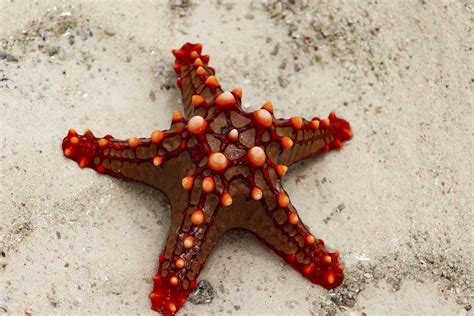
pixel 221 169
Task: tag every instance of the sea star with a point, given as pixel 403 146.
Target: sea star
pixel 220 168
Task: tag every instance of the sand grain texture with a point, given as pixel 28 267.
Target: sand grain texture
pixel 396 201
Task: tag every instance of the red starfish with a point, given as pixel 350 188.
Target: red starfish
pixel 220 168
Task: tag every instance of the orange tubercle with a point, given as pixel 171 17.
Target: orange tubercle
pixel 286 142
pixel 197 125
pixel 217 161
pixel 256 156
pixel 310 239
pixel 297 122
pixel 83 163
pixel 226 199
pixel 208 184
pixel 263 118
pixel 174 280
pixel 187 183
pixel 157 136
pixel 268 106
pixel 233 135
pixel 67 152
pixel 197 100
pixel 330 278
pixel 212 82
pixel 194 54
pixel 314 124
pixel 327 259
pixel 308 269
pixel 200 71
pixel 198 63
pixel 225 100
pixel 188 242
pixel 256 193
pixel 237 92
pixel 172 308
pixel 197 217
pixel 177 116
pixel 158 160
pixel 325 123
pixel 293 218
pixel 133 142
pixel 74 140
pixel 281 170
pixel 283 199
pixel 103 142
pixel 180 263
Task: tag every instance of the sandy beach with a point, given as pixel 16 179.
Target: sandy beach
pixel 396 201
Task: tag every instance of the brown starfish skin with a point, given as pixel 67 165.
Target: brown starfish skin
pixel 221 169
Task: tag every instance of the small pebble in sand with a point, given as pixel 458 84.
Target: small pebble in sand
pixel 283 81
pixel 152 96
pixel 8 57
pixel 52 50
pixel 204 293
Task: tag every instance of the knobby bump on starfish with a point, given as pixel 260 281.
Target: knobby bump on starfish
pixel 221 169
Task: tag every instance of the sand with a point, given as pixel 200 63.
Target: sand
pixel 396 201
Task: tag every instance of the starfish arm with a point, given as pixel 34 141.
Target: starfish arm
pixel 195 229
pixel 281 229
pixel 311 138
pixel 138 159
pixel 197 81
